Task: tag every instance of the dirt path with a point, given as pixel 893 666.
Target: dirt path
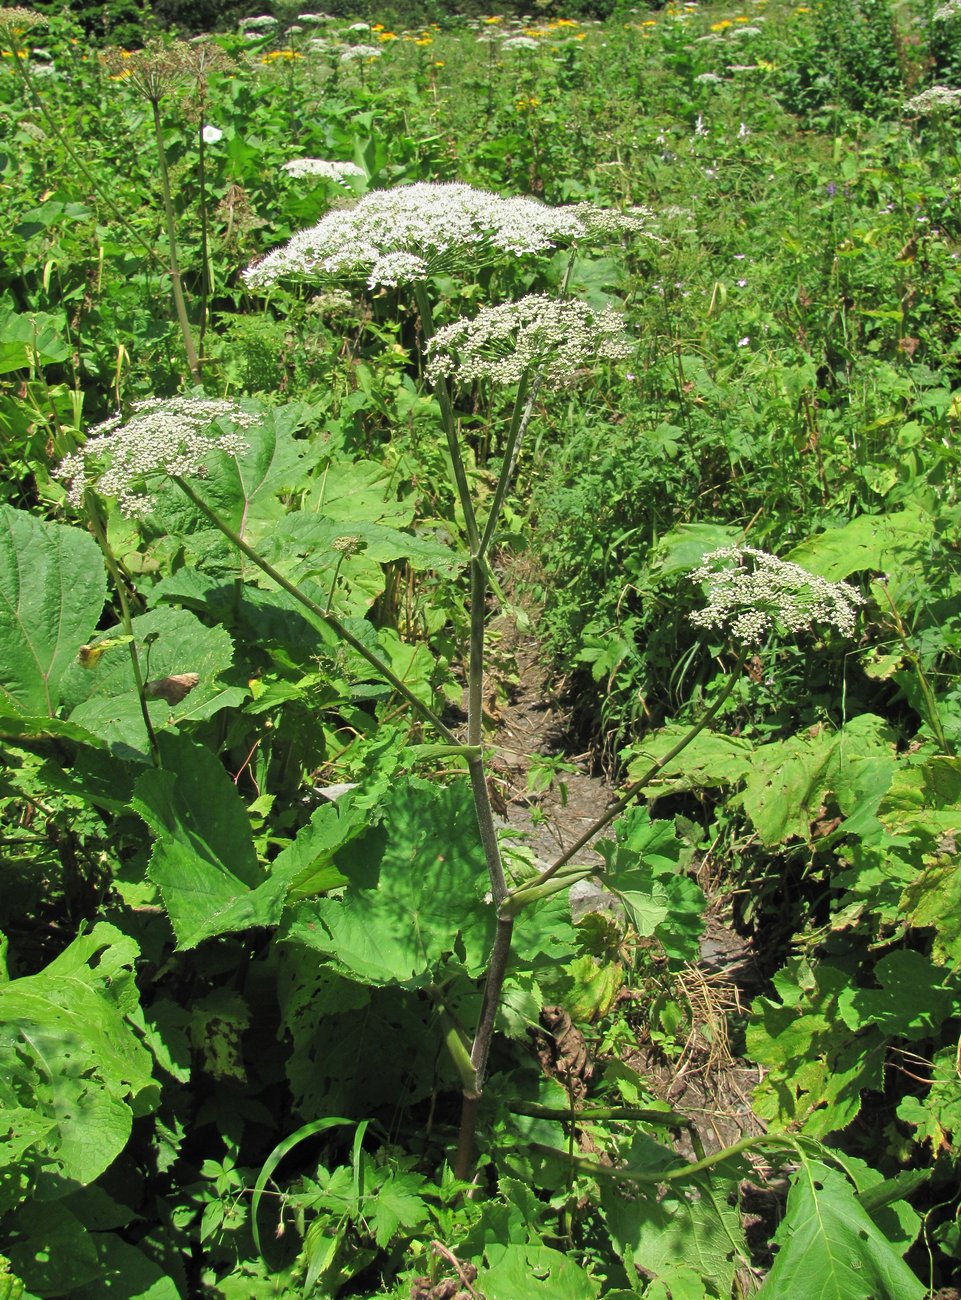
pixel 705 1080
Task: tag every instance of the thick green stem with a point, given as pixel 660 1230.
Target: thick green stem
pixel 206 279
pixel 682 1174
pixel 458 471
pixel 327 619
pixel 100 533
pixel 520 418
pixel 175 282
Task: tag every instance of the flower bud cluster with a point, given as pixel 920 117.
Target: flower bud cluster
pixel 163 435
pixel 434 224
pixel 330 171
pixel 500 343
pixel 752 593
pixel 936 99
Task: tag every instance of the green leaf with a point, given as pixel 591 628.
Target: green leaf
pixel 883 543
pixel 125 1273
pixel 533 1272
pixel 816 1066
pixel 244 490
pixel 684 547
pixel 30 340
pixel 396 1204
pixel 911 1003
pixel 11 1288
pixel 72 1070
pixel 52 589
pixel 694 1233
pixel 203 860
pixel 710 760
pixel 416 894
pixel 830 1249
pixel 54 1254
pixel 643 870
pixel 105 696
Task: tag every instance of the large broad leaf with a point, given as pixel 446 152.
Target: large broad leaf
pixel 643 871
pixel 830 1249
pixel 72 1071
pixel 172 643
pixel 532 1272
pixel 304 546
pixel 244 490
pixel 354 492
pixel 203 860
pixel 883 543
pixel 696 1232
pixel 52 589
pixel 790 779
pixel 31 340
pixel 416 893
pixel 816 1068
pixel 684 547
pixel 711 759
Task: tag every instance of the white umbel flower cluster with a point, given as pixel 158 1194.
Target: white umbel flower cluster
pixel 936 99
pixel 163 435
pixel 752 593
pixel 950 9
pixel 259 23
pixel 329 171
pixel 501 343
pixel 351 52
pixel 437 225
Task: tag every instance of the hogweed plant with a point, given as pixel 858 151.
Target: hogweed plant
pixel 399 239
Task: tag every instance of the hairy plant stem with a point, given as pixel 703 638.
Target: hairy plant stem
pixel 520 897
pixel 206 279
pixel 479 546
pixel 931 714
pixel 100 533
pixel 176 284
pixel 684 1173
pixel 329 620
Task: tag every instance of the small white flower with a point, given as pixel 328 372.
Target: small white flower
pixel 752 593
pixel 263 22
pixel 936 99
pixel 950 9
pixel 167 436
pixel 743 131
pixel 699 128
pixel 501 343
pixel 212 134
pixel 743 343
pixel 331 171
pixel 439 225
pixel 351 52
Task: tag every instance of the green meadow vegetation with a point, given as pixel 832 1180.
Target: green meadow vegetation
pixel 331 346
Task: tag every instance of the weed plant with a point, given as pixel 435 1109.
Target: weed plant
pixel 284 1010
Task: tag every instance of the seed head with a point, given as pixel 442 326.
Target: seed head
pixel 17 20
